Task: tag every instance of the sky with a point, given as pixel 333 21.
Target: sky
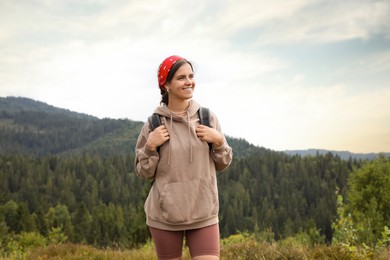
pixel 283 75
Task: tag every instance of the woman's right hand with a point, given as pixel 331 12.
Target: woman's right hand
pixel 157 137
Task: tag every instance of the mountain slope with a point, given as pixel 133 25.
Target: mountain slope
pixel 18 104
pixel 34 128
pixel 29 127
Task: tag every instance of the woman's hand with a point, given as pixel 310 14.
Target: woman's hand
pixel 210 135
pixel 157 137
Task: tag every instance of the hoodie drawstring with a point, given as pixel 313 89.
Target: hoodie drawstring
pixel 169 147
pixel 189 135
pixel 189 138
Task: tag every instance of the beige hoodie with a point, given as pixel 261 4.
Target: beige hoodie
pixel 184 194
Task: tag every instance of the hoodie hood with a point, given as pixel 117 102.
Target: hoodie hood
pixel 163 110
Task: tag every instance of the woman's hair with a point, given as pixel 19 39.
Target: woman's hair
pixel 175 67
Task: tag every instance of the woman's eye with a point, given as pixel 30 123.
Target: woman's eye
pixel 184 77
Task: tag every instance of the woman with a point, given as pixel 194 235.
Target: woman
pixel 183 200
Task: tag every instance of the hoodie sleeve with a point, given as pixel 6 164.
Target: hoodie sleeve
pixel 145 160
pixel 222 155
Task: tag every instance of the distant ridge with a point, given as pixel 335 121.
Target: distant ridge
pixel 344 155
pixel 13 104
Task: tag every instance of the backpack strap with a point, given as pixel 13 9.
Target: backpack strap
pixel 204 119
pixel 204 116
pixel 154 121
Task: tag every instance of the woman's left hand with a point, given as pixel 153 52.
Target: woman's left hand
pixel 209 135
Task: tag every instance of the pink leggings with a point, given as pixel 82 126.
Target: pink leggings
pixel 202 241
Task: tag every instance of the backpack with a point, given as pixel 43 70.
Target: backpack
pixel 204 119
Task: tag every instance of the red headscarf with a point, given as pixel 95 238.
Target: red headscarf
pixel 164 69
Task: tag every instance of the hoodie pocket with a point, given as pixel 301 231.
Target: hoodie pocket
pixel 185 202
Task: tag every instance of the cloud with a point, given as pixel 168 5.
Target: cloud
pixel 378 62
pixel 326 22
pixel 272 22
pixel 253 59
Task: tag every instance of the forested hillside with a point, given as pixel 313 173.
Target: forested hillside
pixel 33 128
pixel 75 172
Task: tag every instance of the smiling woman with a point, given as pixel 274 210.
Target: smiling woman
pixel 182 85
pixel 179 87
pixel 183 201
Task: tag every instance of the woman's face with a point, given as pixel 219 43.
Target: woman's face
pixel 182 84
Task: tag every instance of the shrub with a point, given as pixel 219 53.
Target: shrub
pixel 31 239
pixel 56 236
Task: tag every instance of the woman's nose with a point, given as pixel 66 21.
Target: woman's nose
pixel 189 80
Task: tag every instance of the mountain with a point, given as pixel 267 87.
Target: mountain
pixel 29 127
pixel 14 105
pixel 344 155
pixel 54 162
pixel 34 128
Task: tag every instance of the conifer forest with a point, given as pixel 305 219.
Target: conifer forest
pixel 74 174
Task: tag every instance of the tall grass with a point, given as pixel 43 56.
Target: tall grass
pixel 240 246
